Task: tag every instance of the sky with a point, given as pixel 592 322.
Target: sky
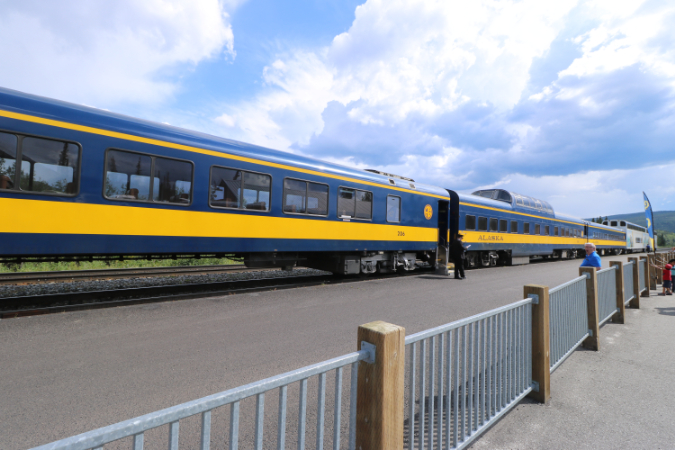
pixel 569 101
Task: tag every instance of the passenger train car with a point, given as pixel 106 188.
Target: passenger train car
pixel 637 237
pixel 79 182
pixel 503 227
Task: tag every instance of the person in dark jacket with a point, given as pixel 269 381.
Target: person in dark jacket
pixel 458 254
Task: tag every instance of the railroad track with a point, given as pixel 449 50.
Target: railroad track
pixel 12 307
pixel 106 274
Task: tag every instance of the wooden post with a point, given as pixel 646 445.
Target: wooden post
pixel 541 343
pixel 635 303
pixel 659 272
pixel 619 316
pixel 591 342
pixel 652 273
pixel 380 392
pixel 647 276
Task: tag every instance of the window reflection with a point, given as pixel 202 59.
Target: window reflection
pixel 48 166
pixel 8 143
pixel 129 177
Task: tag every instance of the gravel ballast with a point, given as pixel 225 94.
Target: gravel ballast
pixel 30 290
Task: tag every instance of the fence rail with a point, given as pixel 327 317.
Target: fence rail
pixel 643 274
pixel 607 294
pixel 466 375
pixel 568 319
pixel 204 406
pixel 628 287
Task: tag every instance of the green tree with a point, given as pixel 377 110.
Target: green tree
pixel 661 239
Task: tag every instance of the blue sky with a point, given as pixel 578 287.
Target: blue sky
pixel 570 101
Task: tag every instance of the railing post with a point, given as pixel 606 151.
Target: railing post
pixel 652 277
pixel 591 342
pixel 541 342
pixel 620 316
pixel 647 277
pixel 659 273
pixel 380 392
pixel 635 303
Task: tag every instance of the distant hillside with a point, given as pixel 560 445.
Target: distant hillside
pixel 665 220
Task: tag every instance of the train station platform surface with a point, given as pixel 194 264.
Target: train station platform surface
pixel 621 397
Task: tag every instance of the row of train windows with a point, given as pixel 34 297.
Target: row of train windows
pixel 606 236
pixel 503 226
pixel 52 167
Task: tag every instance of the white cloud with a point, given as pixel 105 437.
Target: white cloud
pixel 595 193
pixel 404 58
pixel 108 51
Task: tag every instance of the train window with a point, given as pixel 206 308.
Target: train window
pixel 470 222
pixel 364 205
pixel 555 231
pixel 129 176
pixel 393 208
pixel 172 181
pixel 346 203
pixel 503 226
pixel 526 228
pixel 537 204
pixel 514 226
pixel 355 203
pixel 8 144
pixel 482 224
pixel 614 223
pixel 537 228
pixel 494 224
pixel 623 224
pixel 305 197
pixel 238 189
pixel 49 166
pixel 519 201
pixel 547 230
pixel 317 199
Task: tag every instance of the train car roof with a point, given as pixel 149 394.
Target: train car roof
pixel 46 108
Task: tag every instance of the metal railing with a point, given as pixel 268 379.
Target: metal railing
pixel 568 319
pixel 607 294
pixel 628 287
pixel 643 274
pixel 171 417
pixel 463 376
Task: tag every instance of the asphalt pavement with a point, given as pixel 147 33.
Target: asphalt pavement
pixel 69 373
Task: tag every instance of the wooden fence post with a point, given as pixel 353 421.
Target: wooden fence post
pixel 635 303
pixel 541 342
pixel 591 342
pixel 652 272
pixel 659 272
pixel 620 316
pixel 380 392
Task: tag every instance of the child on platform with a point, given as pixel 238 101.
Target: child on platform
pixel 667 277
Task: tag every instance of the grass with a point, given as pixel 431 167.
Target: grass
pixel 128 264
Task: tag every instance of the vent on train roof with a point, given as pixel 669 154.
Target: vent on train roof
pixel 390 175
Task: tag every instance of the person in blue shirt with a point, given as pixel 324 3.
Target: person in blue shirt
pixel 592 259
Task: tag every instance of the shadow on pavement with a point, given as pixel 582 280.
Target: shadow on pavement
pixel 666 311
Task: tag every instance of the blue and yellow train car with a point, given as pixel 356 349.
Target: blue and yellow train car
pixel 81 182
pixel 503 227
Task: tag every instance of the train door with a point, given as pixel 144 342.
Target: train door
pixel 443 236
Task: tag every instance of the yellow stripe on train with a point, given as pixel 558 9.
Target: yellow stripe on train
pixel 481 237
pixel 46 217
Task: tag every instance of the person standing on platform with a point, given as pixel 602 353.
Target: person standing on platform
pixel 667 277
pixel 592 259
pixel 458 253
